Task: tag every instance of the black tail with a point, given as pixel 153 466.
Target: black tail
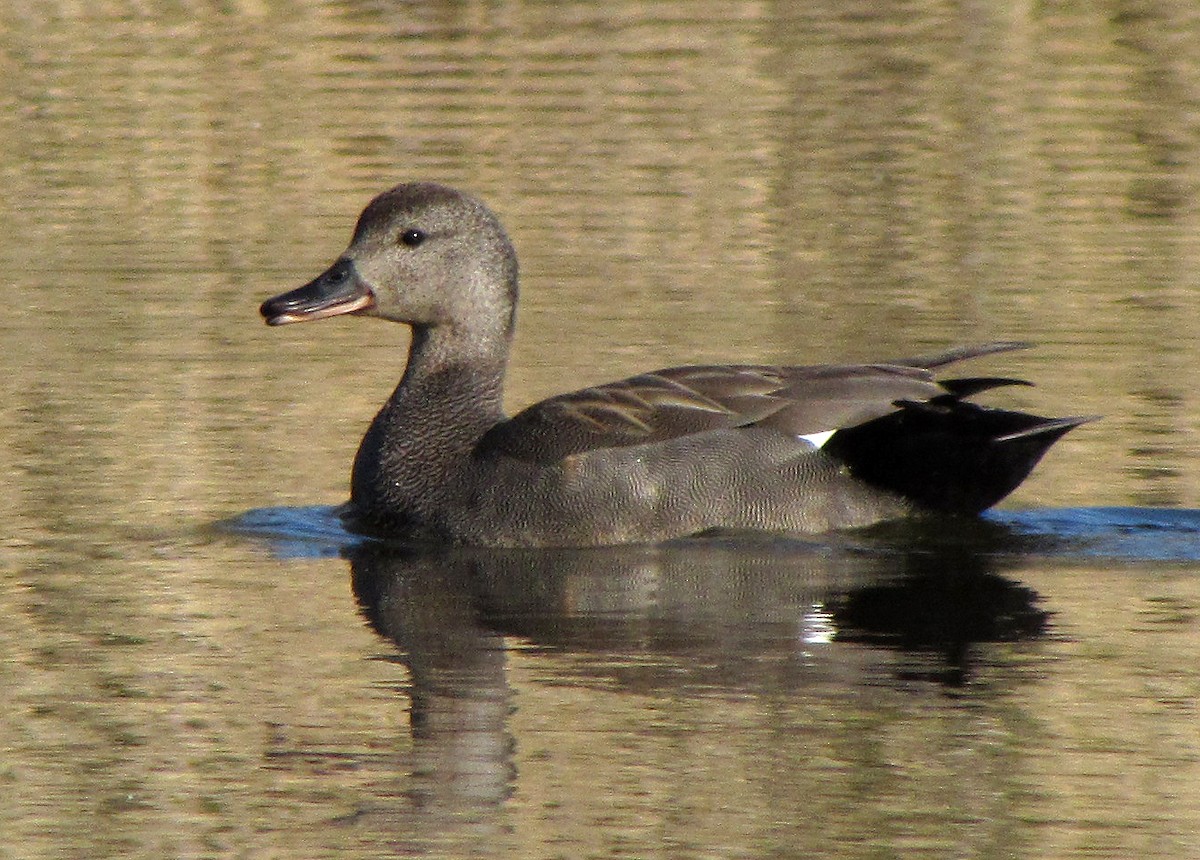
pixel 947 455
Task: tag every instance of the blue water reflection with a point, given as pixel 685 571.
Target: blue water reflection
pixel 1126 533
pixel 1131 534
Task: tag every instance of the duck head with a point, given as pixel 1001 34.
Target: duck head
pixel 422 254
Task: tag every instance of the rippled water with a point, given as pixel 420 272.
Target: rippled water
pixel 198 661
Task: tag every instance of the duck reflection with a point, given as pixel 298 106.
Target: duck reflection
pixel 947 599
pixel 726 616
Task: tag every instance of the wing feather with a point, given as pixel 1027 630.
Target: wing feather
pixel 677 401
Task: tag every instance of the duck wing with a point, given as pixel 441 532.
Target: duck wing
pixel 678 401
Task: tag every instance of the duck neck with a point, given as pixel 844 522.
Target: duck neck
pixel 453 385
pixel 450 395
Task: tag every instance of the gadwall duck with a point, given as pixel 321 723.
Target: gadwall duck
pixel 661 455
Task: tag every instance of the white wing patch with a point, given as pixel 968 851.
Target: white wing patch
pixel 817 439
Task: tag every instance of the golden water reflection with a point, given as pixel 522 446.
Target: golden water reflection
pixel 694 181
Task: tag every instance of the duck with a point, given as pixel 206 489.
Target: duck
pixel 667 454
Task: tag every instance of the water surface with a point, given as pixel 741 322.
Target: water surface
pixel 198 662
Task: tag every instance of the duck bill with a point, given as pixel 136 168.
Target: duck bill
pixel 338 290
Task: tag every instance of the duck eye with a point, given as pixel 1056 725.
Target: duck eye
pixel 412 237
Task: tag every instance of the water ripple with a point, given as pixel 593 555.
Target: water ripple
pixel 1125 533
pixel 312 531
